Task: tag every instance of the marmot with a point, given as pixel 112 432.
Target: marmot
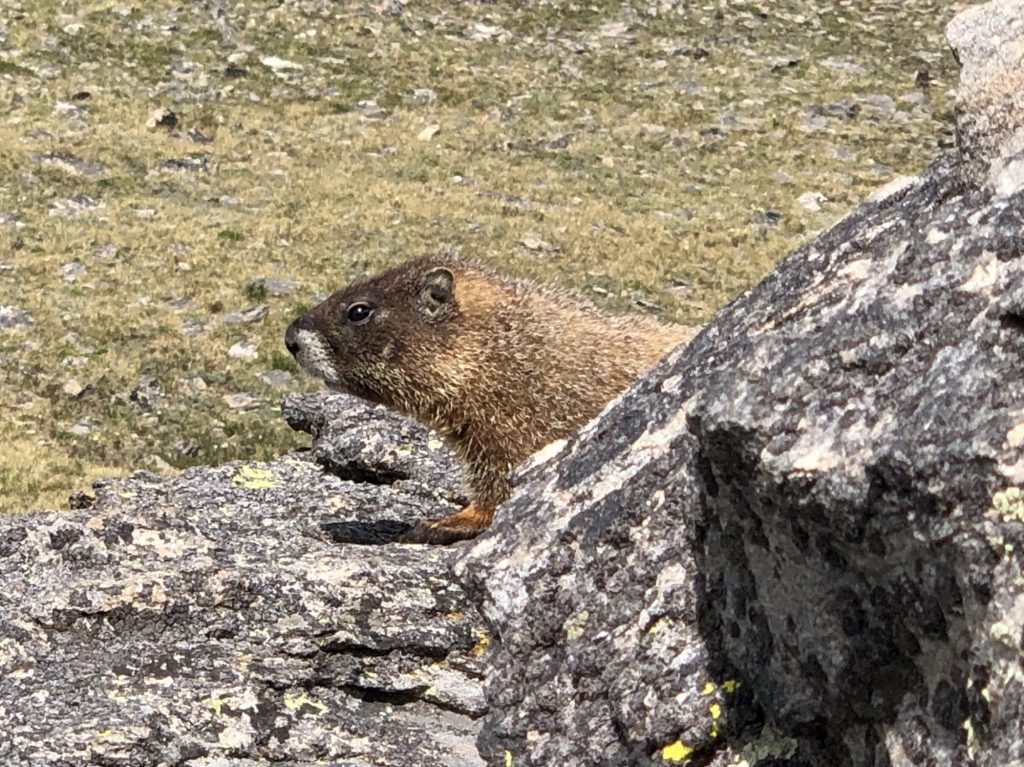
pixel 499 367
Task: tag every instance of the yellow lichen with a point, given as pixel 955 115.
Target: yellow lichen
pixel 295 702
pixel 676 752
pixel 1008 504
pixel 708 688
pixel 483 641
pixel 255 478
pixel 970 738
pixel 508 758
pixel 216 704
pixel 730 685
pixel 575 625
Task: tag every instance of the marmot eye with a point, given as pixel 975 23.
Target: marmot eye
pixel 359 312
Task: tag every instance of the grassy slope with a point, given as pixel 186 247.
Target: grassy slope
pixel 630 162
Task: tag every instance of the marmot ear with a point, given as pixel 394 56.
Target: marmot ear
pixel 437 291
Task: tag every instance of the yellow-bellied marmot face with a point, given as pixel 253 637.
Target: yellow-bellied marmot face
pixel 367 338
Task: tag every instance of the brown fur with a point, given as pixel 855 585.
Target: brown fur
pixel 499 367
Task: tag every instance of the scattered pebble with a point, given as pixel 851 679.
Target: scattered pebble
pixel 72 271
pixel 276 286
pixel 241 401
pixel 196 137
pixel 812 200
pixel 13 317
pixel 279 65
pixel 482 31
pixel 73 388
pixel 190 164
pixel 843 65
pixel 647 305
pixel 244 350
pixel 767 217
pixel 67 109
pixel 247 316
pixel 179 304
pixel 428 133
pixel 614 29
pixel 146 395
pixel 370 109
pixel 879 103
pixel 83 426
pixel 159 465
pixel 162 118
pixel 74 166
pixel 279 379
pixel 680 286
pixel 535 243
pixel 76 205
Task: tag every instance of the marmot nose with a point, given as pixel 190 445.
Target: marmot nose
pixel 291 335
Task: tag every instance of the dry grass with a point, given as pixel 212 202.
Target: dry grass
pixel 631 163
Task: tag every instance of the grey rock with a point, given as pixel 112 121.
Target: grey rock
pixel 193 163
pixel 162 118
pixel 72 271
pixel 71 165
pixel 423 96
pixel 811 517
pixel 247 316
pixel 83 426
pixel 146 395
pixel 482 31
pixel 13 317
pixel 369 109
pixel 181 303
pixel 277 286
pixel 842 65
pixel 76 205
pixel 192 326
pixel 241 401
pixel 878 103
pixel 279 379
pixel 172 622
pixel 988 41
pixel 67 109
pixel 371 443
pixel 244 350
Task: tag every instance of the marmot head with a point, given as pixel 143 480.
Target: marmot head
pixel 374 337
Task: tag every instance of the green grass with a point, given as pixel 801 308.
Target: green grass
pixel 643 160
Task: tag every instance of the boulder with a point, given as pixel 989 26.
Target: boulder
pixel 798 541
pixel 214 619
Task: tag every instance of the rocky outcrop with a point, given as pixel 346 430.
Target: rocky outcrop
pixel 988 41
pixel 798 541
pixel 213 619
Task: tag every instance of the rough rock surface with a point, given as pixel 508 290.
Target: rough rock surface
pixel 988 41
pixel 213 619
pixel 812 516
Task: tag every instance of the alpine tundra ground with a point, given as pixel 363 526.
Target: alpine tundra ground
pixel 657 157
